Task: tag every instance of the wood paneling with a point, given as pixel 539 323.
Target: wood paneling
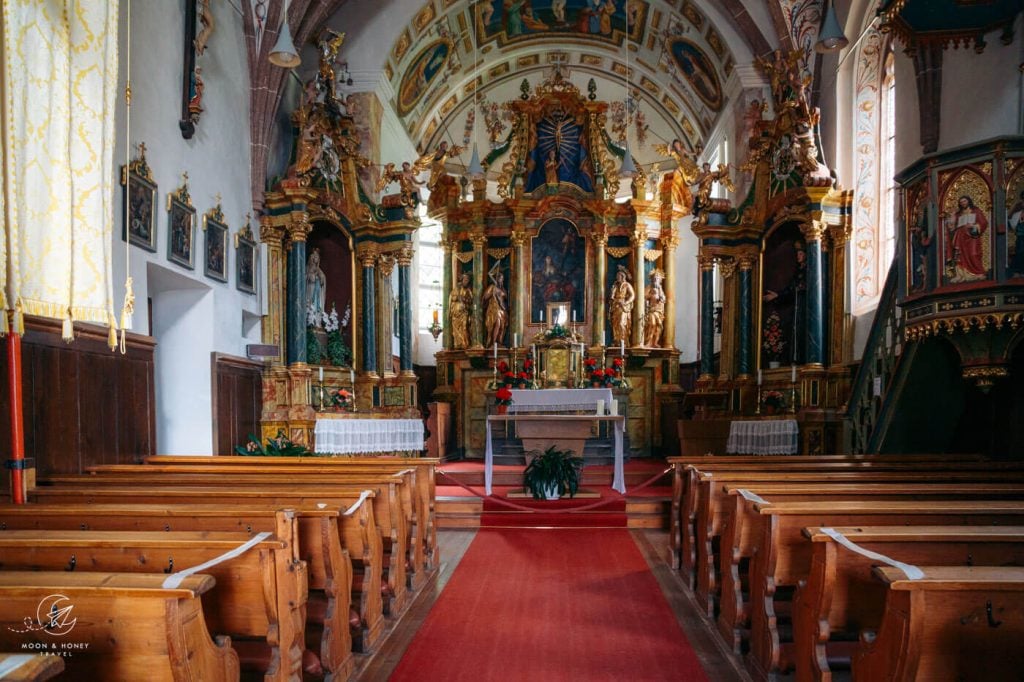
pixel 237 401
pixel 83 403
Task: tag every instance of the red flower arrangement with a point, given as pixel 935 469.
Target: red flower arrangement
pixel 502 367
pixel 772 340
pixel 342 398
pixel 617 363
pixel 590 362
pixel 503 396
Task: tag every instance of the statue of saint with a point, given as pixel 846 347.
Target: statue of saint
pixel 551 169
pixel 496 311
pixel 620 308
pixel 316 289
pixel 460 300
pixel 654 315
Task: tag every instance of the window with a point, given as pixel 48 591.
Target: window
pixel 887 219
pixel 430 260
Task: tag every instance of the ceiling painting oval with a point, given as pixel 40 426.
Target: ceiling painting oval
pixel 698 70
pixel 510 21
pixel 421 73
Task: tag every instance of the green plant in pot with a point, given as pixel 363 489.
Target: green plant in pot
pixel 552 474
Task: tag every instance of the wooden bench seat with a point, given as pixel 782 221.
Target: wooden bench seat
pixel 841 597
pixel 420 560
pixel 30 667
pixel 314 535
pixel 731 539
pixel 783 557
pixel 126 626
pixel 246 603
pixel 956 623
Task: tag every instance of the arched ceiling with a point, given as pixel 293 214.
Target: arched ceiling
pixel 441 57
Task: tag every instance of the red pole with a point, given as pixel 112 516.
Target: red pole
pixel 17 460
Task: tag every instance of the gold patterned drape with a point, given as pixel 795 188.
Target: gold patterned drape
pixel 59 76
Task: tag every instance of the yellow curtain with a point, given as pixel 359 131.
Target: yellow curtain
pixel 59 87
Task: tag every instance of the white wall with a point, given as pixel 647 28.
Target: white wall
pixel 193 315
pixel 687 299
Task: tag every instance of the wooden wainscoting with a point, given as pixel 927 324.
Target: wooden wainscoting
pixel 83 403
pixel 237 400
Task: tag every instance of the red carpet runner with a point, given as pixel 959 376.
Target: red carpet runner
pixel 550 605
pixel 607 513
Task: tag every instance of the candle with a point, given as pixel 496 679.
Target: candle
pixel 533 351
pixel 541 315
pixel 792 374
pixel 759 377
pixel 614 408
pixel 495 351
pixel 573 315
pixel 435 315
pixel 600 407
pixel 622 347
pixel 321 375
pixel 515 340
pixel 352 377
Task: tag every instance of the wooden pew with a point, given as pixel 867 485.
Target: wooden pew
pixel 251 600
pixel 425 477
pixel 30 667
pixel 680 478
pixel 841 597
pixel 315 535
pixel 783 557
pixel 738 529
pixel 705 504
pixel 420 561
pixel 386 505
pixel 956 623
pixel 121 626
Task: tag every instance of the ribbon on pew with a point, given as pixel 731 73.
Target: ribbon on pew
pixel 912 572
pixel 175 579
pixel 357 503
pixel 14 662
pixel 752 497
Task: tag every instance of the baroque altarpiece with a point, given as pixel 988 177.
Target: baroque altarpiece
pixel 339 275
pixel 558 265
pixel 782 257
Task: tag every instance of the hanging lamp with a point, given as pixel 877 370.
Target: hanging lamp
pixel 830 37
pixel 284 53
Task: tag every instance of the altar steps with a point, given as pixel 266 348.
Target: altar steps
pixel 597 451
pixel 457 507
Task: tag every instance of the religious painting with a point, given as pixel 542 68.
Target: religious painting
pixel 509 21
pixel 245 260
pixel 141 197
pixel 421 73
pixel 181 231
pixel 215 262
pixel 559 270
pixel 1015 223
pixel 964 214
pixel 921 254
pixel 698 70
pixel 784 298
pixel 561 153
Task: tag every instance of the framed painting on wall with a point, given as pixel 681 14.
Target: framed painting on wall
pixel 181 226
pixel 140 196
pixel 245 260
pixel 215 261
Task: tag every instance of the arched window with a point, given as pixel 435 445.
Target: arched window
pixel 430 265
pixel 887 188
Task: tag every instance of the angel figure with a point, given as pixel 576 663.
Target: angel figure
pixel 406 179
pixel 435 163
pixel 684 160
pixel 206 19
pixel 330 44
pixel 706 181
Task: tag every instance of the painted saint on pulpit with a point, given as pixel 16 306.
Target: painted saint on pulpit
pixel 558 255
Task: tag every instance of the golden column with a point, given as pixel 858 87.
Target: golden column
pixel 518 239
pixel 639 241
pixel 479 239
pixel 669 242
pixel 839 325
pixel 272 234
pixel 600 237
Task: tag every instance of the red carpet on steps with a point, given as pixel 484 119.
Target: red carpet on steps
pixel 607 512
pixel 550 605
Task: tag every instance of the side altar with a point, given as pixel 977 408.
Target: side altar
pixel 559 271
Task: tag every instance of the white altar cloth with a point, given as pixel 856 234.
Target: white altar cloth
pixel 361 436
pixel 763 437
pixel 559 400
pixel 619 475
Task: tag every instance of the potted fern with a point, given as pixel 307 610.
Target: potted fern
pixel 552 474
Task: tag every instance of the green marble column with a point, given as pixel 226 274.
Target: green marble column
pixel 405 311
pixel 815 321
pixel 298 230
pixel 746 301
pixel 707 317
pixel 367 259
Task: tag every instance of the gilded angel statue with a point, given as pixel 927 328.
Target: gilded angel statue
pixel 435 162
pixel 406 179
pixel 688 173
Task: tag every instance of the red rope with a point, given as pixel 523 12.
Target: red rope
pixel 650 481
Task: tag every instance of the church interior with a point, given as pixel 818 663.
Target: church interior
pixel 512 339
